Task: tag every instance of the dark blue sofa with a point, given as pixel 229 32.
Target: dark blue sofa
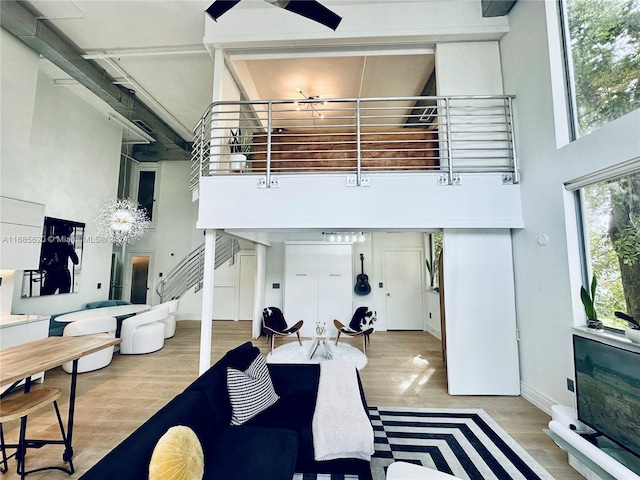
pixel 271 446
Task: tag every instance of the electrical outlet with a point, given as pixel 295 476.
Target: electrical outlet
pixel 570 385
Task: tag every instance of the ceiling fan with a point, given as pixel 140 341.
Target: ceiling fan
pixel 307 8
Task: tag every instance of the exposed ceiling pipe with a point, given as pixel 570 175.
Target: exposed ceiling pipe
pixel 40 37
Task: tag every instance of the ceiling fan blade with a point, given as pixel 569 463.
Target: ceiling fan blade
pixel 219 7
pixel 314 11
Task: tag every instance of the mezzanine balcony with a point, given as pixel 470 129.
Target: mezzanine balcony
pixel 399 147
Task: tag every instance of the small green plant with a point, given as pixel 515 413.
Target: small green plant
pixel 431 274
pixel 240 142
pixel 588 300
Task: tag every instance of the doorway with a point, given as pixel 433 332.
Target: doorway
pixel 404 285
pixel 136 285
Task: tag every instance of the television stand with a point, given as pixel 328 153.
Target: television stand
pixel 602 460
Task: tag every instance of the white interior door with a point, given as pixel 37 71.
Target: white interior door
pixel 403 288
pixel 318 285
pixel 247 287
pixel 301 287
pixel 335 289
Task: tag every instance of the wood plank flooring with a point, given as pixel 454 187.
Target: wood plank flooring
pixel 404 369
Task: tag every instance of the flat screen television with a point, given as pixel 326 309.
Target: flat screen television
pixel 608 391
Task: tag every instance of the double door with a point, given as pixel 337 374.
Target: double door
pixel 318 285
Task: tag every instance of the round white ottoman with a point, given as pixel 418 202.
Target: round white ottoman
pixel 409 471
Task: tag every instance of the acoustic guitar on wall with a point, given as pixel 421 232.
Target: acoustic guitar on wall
pixel 362 281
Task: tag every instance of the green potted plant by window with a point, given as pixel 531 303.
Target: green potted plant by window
pixel 633 332
pixel 588 300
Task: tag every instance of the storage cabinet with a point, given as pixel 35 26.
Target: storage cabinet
pixel 19 329
pixel 21 226
pixel 318 285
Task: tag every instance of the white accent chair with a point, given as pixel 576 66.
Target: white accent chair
pixel 409 471
pixel 144 332
pixel 104 327
pixel 170 321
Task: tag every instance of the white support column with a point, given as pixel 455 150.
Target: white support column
pixel 258 296
pixel 207 300
pixel 218 73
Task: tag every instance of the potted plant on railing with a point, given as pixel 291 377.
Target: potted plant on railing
pixel 633 332
pixel 240 147
pixel 588 299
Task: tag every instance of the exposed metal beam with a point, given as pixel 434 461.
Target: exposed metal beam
pixel 43 39
pixel 496 8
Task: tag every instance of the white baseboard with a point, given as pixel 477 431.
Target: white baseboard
pixel 538 399
pixel 434 332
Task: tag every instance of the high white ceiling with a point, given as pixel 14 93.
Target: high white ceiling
pixel 155 47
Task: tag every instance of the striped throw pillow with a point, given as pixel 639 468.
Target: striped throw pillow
pixel 251 391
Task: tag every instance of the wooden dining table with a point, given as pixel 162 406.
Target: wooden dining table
pixel 20 362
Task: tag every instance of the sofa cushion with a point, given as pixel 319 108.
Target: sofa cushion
pixel 177 456
pixel 256 453
pixel 213 382
pixel 297 386
pixel 250 391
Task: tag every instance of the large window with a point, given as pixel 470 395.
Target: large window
pixel 604 46
pixel 612 226
pixel 433 256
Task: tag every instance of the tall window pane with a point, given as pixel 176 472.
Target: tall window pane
pixel 605 49
pixel 146 190
pixel 612 213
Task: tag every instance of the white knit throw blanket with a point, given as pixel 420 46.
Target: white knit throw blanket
pixel 340 426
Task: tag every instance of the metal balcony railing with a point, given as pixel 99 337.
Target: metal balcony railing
pixel 190 271
pixel 445 134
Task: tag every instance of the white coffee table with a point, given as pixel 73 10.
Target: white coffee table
pixel 115 311
pixel 321 341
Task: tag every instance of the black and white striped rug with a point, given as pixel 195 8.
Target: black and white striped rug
pixel 466 443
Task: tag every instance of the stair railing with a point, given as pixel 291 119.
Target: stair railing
pixel 189 272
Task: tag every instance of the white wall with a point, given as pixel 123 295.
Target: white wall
pixel 394 202
pixel 482 351
pixel 381 242
pixel 60 152
pixel 373 250
pixel 174 234
pixel 548 277
pixel 417 22
pixel 468 68
pixel 432 313
pixel 18 92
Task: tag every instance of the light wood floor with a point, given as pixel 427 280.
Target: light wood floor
pixel 404 369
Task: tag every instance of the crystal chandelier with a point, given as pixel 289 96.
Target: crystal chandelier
pixel 121 221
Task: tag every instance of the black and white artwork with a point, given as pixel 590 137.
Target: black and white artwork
pixel 60 259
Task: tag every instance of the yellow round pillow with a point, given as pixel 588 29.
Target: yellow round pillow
pixel 177 456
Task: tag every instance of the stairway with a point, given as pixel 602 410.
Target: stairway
pixel 190 271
